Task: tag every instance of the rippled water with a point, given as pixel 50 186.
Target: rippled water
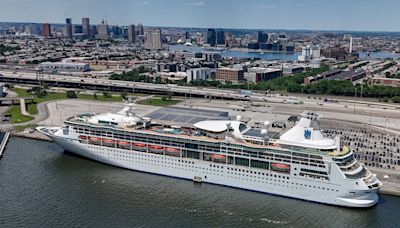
pixel 40 186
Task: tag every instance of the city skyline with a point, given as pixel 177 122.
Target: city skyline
pixel 255 14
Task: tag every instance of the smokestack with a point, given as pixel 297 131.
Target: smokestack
pixel 351 45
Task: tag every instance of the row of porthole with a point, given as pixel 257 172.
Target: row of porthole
pixel 216 166
pixel 234 176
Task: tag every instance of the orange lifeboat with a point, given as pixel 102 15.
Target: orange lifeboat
pixel 139 145
pixel 218 156
pixel 108 141
pixel 155 147
pixel 171 150
pixel 280 167
pixel 124 145
pixel 94 139
pixel 84 137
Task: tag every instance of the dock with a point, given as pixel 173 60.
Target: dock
pixel 4 136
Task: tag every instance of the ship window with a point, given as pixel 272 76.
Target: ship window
pixel 242 127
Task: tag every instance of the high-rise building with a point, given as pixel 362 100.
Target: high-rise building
pixel 131 34
pixel 86 27
pixel 139 29
pixel 46 30
pixel 153 39
pixel 220 37
pixel 102 31
pixel 68 28
pixel 211 37
pixel 77 29
pixel 262 37
pixel 116 31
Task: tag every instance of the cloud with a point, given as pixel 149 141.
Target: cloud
pixel 195 4
pixel 146 2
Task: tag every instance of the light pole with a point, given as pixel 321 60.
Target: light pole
pixel 355 96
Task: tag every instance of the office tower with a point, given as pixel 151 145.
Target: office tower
pixel 68 28
pixel 211 37
pixel 131 34
pixel 262 37
pixel 153 39
pixel 102 31
pixel 46 30
pixel 220 37
pixel 77 29
pixel 86 28
pixel 139 29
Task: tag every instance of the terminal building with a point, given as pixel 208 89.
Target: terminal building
pixel 336 74
pixel 56 67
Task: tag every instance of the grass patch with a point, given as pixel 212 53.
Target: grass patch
pixel 21 128
pixel 100 97
pixel 16 116
pixel 159 102
pixel 31 108
pixel 21 92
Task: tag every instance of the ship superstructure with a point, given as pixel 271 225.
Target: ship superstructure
pixel 297 162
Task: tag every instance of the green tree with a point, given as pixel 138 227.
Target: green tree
pixel 124 95
pixel 106 94
pixel 396 99
pixel 71 94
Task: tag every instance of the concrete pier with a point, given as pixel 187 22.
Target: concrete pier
pixel 4 136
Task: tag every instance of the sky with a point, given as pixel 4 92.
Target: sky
pixel 355 15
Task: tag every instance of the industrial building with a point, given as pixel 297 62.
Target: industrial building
pixel 229 74
pixel 257 74
pixel 198 74
pixel 55 67
pixel 336 74
pixel 394 82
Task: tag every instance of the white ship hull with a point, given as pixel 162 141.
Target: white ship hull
pixel 222 174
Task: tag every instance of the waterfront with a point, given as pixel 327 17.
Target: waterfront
pixel 238 54
pixel 43 187
pixel 273 56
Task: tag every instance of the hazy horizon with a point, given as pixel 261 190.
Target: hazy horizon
pixel 316 15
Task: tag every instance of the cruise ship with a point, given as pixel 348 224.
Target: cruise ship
pixel 296 161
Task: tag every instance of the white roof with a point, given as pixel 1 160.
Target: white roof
pixel 212 125
pixel 303 135
pixel 120 119
pixel 219 126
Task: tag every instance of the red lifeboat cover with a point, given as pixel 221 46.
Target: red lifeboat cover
pixel 280 166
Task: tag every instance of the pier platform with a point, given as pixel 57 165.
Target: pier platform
pixel 4 136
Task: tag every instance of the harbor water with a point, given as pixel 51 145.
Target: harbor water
pixel 42 186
